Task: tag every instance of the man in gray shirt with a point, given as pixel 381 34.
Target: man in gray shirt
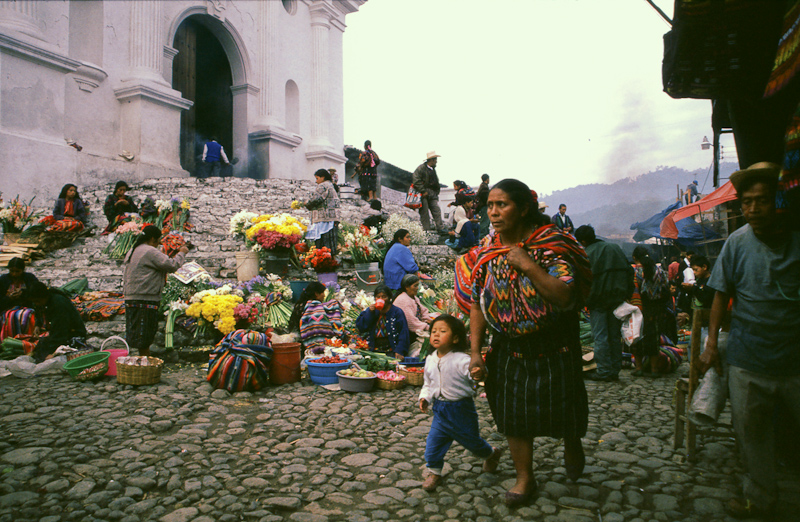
pixel 759 267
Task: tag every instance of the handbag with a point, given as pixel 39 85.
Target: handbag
pixel 413 198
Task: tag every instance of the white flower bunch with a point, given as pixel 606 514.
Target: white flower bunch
pixel 398 221
pixel 163 205
pixel 176 305
pixel 6 213
pixel 363 300
pixel 240 221
pixel 429 293
pixel 223 290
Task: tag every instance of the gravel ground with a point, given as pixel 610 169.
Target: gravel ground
pixel 180 451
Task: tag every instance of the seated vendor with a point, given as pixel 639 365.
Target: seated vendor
pixel 385 325
pixel 15 285
pixel 64 323
pixel 314 319
pixel 418 317
pixel 465 234
pixel 70 205
pixel 117 205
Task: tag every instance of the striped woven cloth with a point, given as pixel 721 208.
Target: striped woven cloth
pixel 17 321
pixel 320 321
pixel 99 306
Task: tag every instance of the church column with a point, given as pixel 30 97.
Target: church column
pixel 150 108
pixel 268 16
pixel 22 16
pixel 320 27
pixel 146 50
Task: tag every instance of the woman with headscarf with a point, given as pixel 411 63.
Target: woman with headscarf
pixel 652 287
pixel 399 260
pixel 528 283
pixel 146 267
pixel 385 325
pixel 417 316
pixel 117 206
pixel 324 207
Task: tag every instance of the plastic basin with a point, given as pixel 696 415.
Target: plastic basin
pixel 356 384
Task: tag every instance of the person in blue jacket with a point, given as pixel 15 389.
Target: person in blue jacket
pixel 385 325
pixel 213 158
pixel 399 260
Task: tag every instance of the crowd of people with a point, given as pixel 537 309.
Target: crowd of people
pixel 530 277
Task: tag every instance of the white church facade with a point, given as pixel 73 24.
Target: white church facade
pixel 139 86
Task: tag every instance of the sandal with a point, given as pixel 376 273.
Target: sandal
pixel 490 464
pixel 513 500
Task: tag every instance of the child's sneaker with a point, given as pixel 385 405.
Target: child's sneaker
pixel 432 482
pixel 490 464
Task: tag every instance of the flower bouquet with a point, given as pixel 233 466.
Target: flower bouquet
pixel 321 260
pixel 398 221
pixel 274 231
pixel 125 238
pixel 17 215
pixel 360 244
pixel 268 302
pixel 215 307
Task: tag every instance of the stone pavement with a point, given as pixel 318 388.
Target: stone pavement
pixel 180 451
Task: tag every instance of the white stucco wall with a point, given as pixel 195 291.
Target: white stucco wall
pixel 66 73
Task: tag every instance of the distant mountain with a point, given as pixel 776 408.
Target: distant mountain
pixel 612 208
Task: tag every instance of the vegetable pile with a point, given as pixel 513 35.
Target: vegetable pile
pixel 329 360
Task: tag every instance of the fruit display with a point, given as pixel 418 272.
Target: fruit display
pixel 360 374
pixel 329 360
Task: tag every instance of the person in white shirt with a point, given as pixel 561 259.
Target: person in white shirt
pixel 449 389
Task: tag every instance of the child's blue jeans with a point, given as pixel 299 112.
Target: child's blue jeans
pixel 454 421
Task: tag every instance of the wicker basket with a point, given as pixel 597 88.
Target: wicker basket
pixel 139 375
pixel 87 367
pixel 384 384
pixel 412 378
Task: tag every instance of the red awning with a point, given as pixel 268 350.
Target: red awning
pixel 722 195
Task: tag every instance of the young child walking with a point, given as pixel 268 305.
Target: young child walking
pixel 449 390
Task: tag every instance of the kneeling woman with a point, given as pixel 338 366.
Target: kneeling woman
pixel 315 320
pixel 64 322
pixel 385 325
pixel 418 317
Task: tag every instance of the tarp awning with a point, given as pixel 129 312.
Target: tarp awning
pixel 688 232
pixel 669 227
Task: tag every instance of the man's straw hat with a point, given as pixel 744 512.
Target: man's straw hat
pixel 432 154
pixel 763 171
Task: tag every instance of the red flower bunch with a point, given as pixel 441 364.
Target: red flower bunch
pixel 270 240
pixel 320 259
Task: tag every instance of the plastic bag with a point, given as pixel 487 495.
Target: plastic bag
pixel 631 318
pixel 709 399
pixel 24 366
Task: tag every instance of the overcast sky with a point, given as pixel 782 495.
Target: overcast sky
pixel 554 92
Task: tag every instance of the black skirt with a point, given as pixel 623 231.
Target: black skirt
pixel 535 383
pixel 141 323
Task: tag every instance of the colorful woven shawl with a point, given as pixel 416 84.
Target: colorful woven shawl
pixel 509 300
pixel 320 321
pixel 17 321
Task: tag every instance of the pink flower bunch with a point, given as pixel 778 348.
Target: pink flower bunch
pixel 245 312
pixel 255 299
pixel 269 239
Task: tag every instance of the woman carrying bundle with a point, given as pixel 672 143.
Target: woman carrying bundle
pixel 652 286
pixel 528 284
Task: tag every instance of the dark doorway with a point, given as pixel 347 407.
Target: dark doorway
pixel 202 73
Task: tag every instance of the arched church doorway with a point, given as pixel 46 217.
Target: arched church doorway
pixel 202 73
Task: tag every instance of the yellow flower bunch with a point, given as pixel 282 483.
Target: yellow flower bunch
pixel 280 223
pixel 185 205
pixel 217 309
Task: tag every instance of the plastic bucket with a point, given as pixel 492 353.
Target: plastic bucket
pixel 285 367
pixel 246 265
pixel 297 288
pixel 276 262
pixel 368 276
pixel 115 354
pixel 327 277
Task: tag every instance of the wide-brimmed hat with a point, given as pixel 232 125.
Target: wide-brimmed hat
pixel 432 154
pixel 763 171
pixel 543 205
